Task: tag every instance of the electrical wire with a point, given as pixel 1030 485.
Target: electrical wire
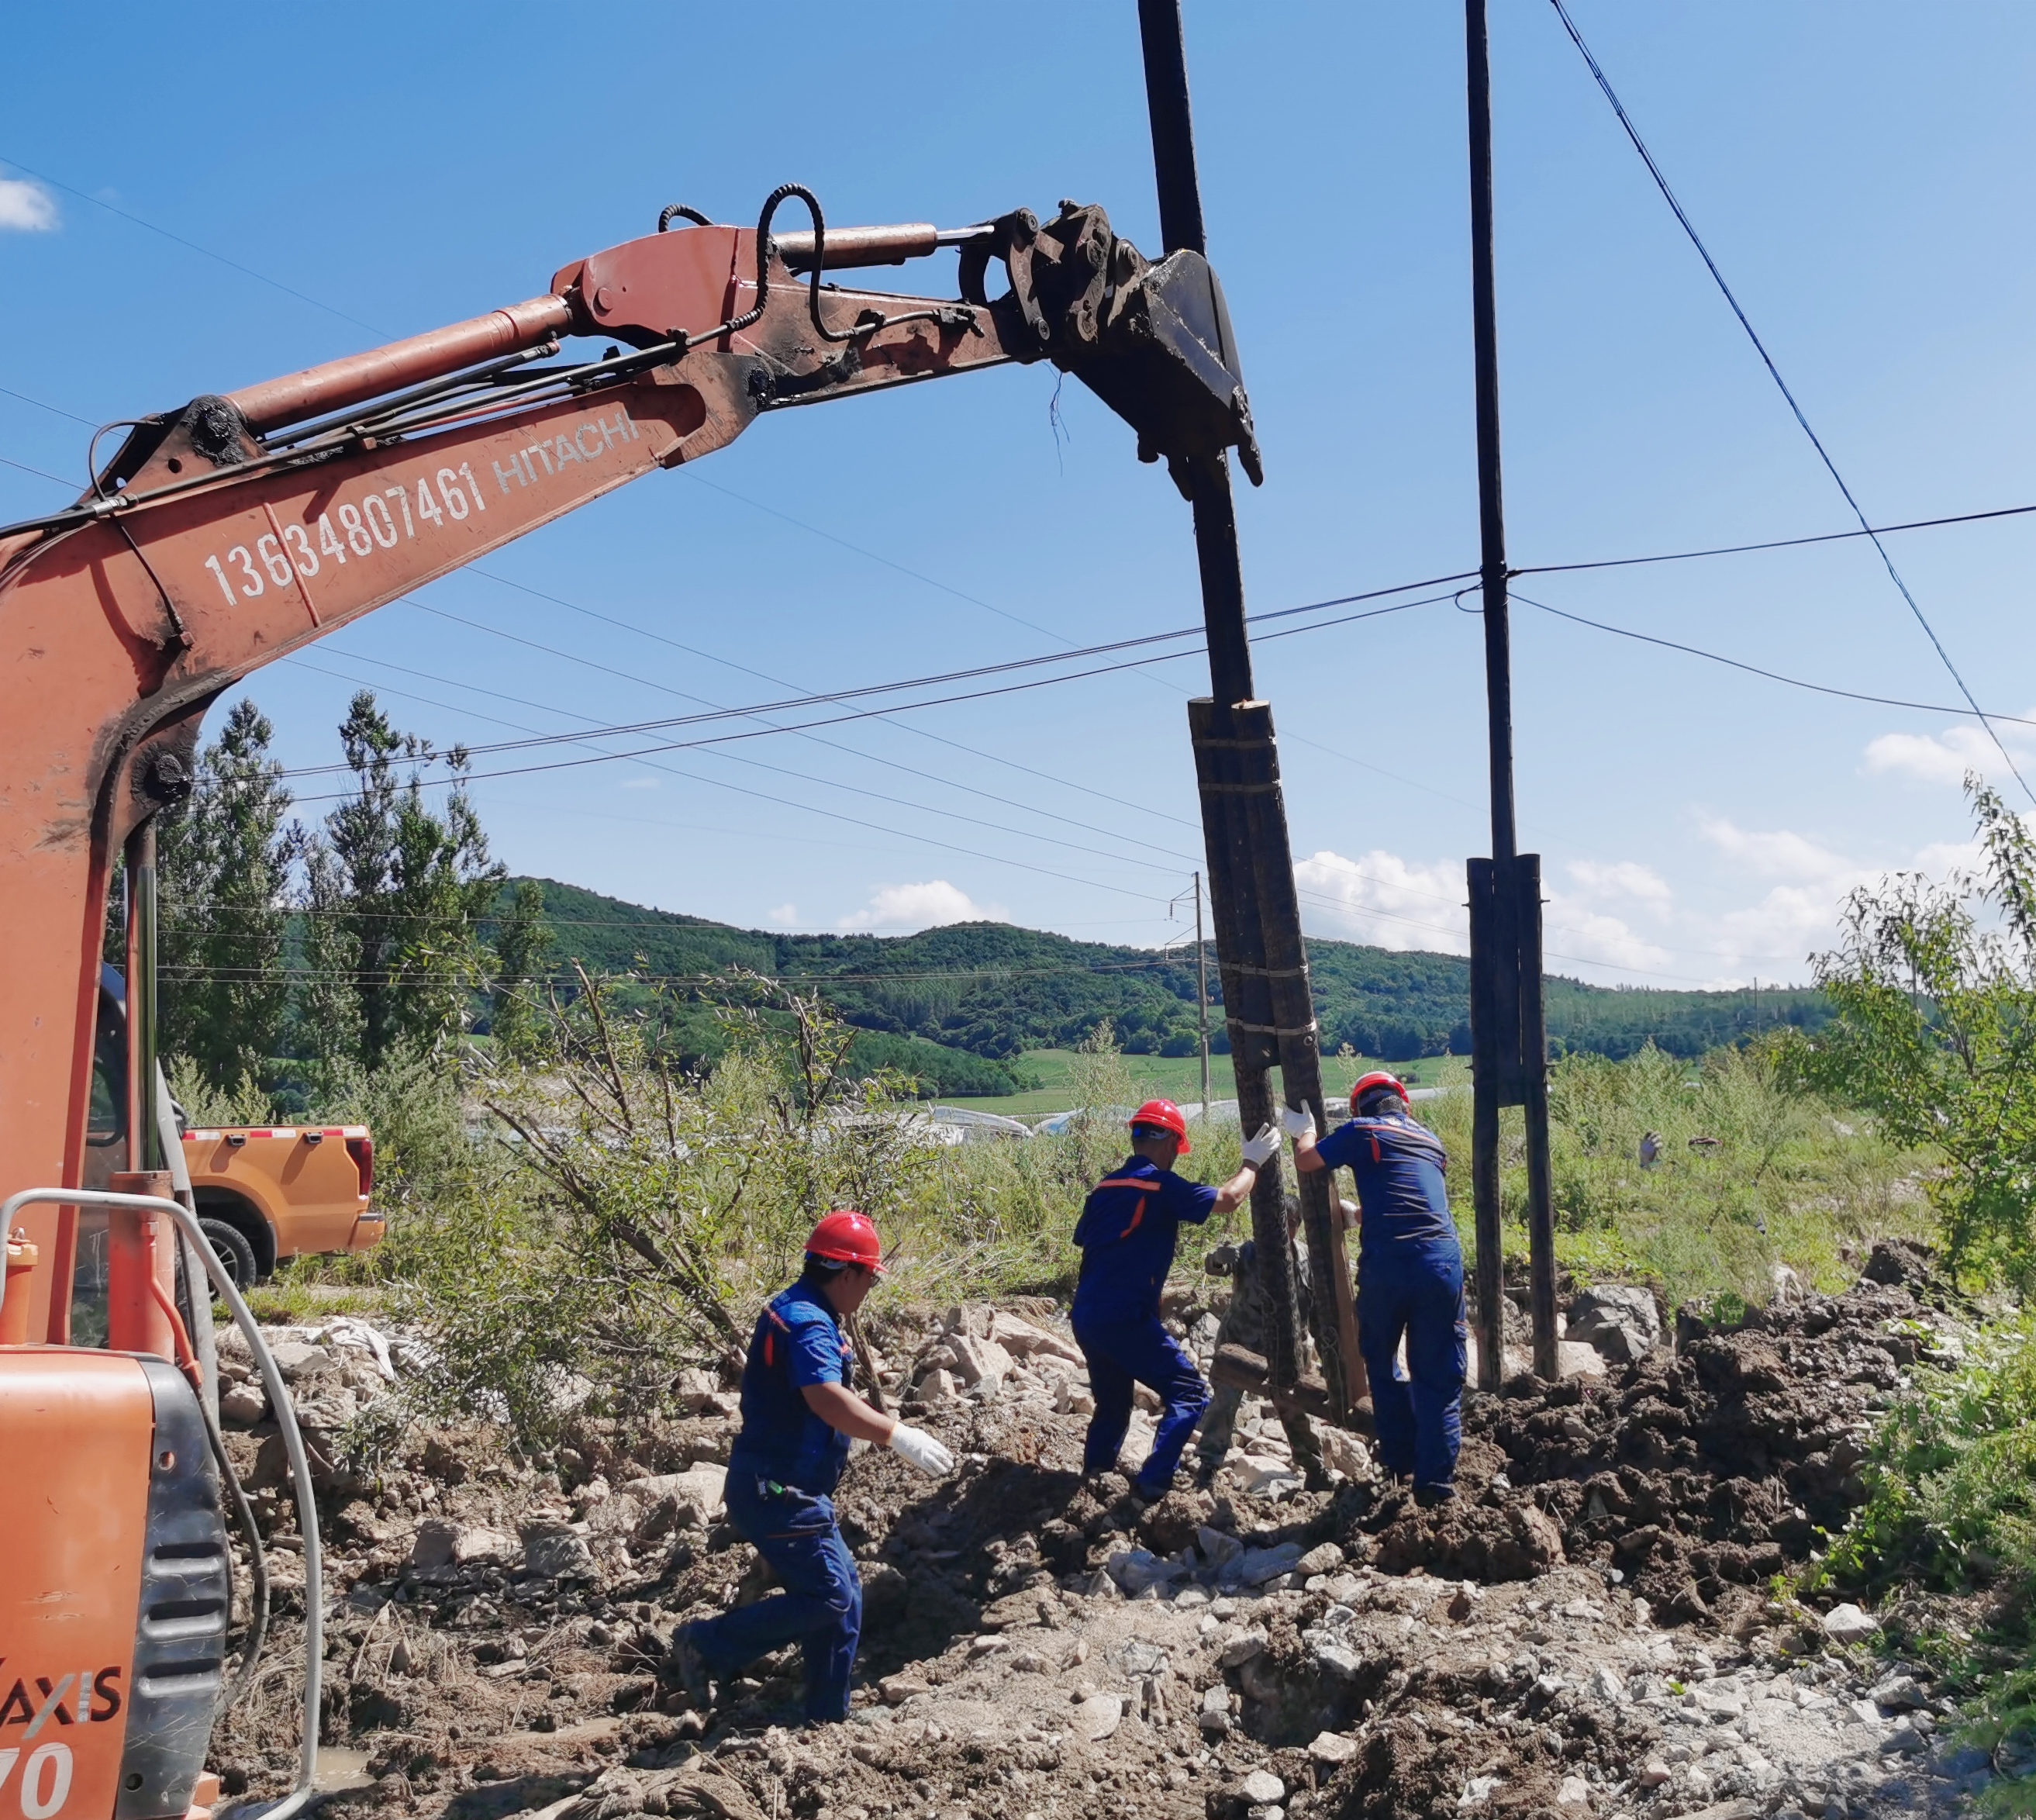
pixel 1777 542
pixel 42 472
pixel 1774 373
pixel 712 714
pixel 233 265
pixel 55 410
pixel 1755 669
pixel 766 676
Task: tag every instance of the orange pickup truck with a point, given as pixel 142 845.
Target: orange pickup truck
pixel 263 1193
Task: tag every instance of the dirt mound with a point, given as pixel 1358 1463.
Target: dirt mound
pixel 1695 1477
pixel 1035 1646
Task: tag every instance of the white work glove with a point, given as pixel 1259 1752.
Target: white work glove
pixel 918 1447
pixel 1351 1211
pixel 1257 1148
pixel 1297 1122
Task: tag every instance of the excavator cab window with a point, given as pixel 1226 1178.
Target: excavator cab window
pixel 106 1122
pixel 106 1151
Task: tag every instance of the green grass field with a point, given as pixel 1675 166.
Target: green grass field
pixel 1179 1078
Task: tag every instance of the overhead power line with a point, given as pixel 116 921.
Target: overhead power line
pixel 1774 372
pixel 1755 669
pixel 622 729
pixel 192 246
pixel 1777 542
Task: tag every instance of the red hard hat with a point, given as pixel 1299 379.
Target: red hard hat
pixel 1371 1082
pixel 847 1237
pixel 1163 1116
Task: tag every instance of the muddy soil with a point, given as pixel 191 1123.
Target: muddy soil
pixel 1593 1627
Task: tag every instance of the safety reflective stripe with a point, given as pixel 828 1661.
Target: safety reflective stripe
pixel 779 1321
pixel 1135 1182
pixel 1375 1147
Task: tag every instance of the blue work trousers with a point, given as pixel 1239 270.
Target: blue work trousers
pixel 1414 1291
pixel 820 1606
pixel 1121 1355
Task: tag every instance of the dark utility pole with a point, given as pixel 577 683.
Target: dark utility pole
pixel 1260 960
pixel 1509 1038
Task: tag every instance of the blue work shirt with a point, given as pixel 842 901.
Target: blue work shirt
pixel 799 1341
pixel 1127 1232
pixel 1401 1189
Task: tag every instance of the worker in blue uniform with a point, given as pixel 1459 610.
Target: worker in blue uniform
pixel 1127 1233
pixel 1410 1278
pixel 798 1417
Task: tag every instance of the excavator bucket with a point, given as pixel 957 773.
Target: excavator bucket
pixel 1167 363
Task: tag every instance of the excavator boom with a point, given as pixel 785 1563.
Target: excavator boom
pixel 227 534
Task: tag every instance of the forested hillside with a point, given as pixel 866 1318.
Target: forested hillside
pixel 992 991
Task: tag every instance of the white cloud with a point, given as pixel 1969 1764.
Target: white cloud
pixel 1385 901
pixel 27 207
pixel 785 917
pixel 1570 928
pixel 906 909
pixel 1931 758
pixel 1774 853
pixel 1621 878
pixel 1942 758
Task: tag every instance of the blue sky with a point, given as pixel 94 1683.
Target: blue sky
pixel 1861 172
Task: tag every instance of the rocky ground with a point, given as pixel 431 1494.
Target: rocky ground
pixel 1595 1628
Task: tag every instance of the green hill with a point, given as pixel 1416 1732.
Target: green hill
pixel 958 1006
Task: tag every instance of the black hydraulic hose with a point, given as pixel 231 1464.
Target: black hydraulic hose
pixel 258 1564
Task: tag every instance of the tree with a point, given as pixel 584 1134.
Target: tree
pixel 223 866
pixel 523 943
pixel 413 886
pixel 1935 1033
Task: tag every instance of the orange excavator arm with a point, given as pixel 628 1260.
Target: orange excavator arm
pixel 227 534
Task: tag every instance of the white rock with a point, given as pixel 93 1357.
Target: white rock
pixel 979 1361
pixel 1271 1479
pixel 1848 1623
pixel 1074 1398
pixel 1332 1748
pixel 243 1403
pixel 937 1386
pixel 1242 1648
pixel 699 1490
pixel 298 1359
pixel 1257 1565
pixel 1215 1698
pixel 1477 1791
pixel 1262 1788
pixel 439 1543
pixel 1574 1792
pixel 1022 1340
pixel 1332 1658
pixel 1622 1321
pixel 1343 1452
pixel 1606 1683
pixel 1576 1358
pixel 555 1551
pixel 1098 1716
pixel 1653 1773
pixel 1324 1557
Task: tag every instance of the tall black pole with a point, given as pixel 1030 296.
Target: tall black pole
pixel 1511 1061
pixel 1260 958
